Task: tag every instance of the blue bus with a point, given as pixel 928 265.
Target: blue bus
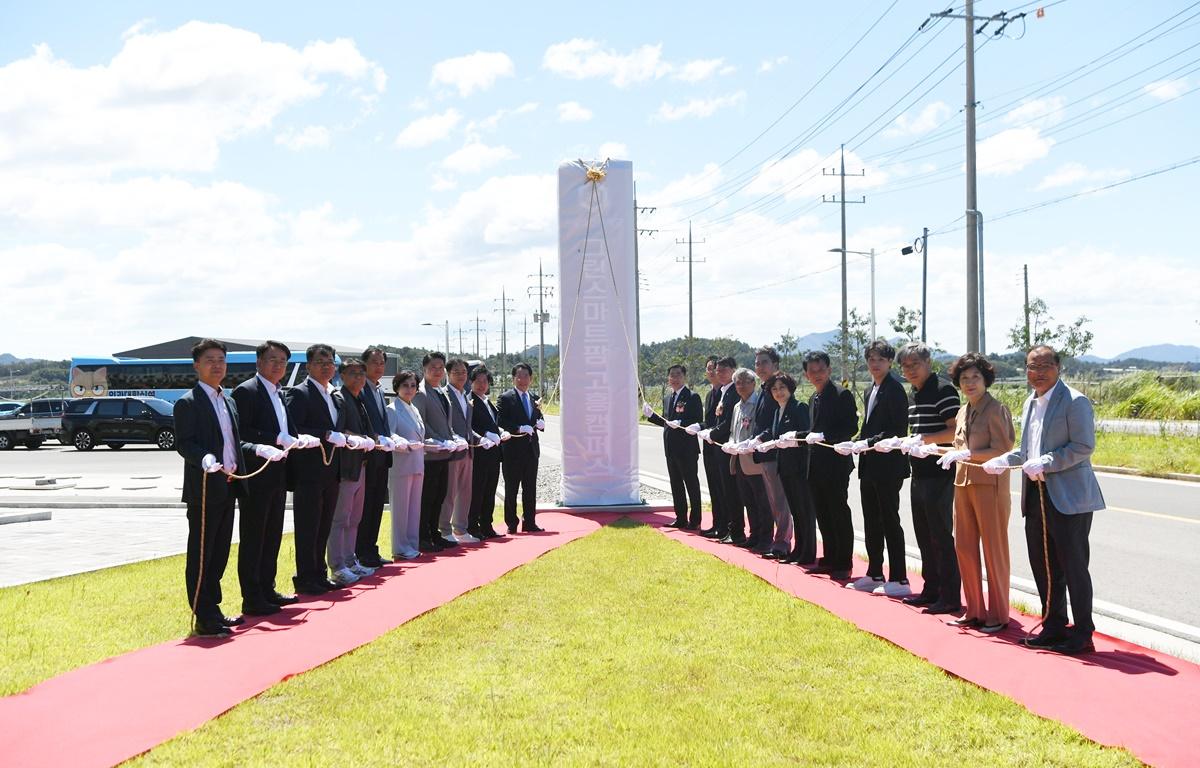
pixel 166 379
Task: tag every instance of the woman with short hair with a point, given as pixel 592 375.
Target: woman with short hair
pixel 407 475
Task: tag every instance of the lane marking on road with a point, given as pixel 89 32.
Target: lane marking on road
pixel 1177 518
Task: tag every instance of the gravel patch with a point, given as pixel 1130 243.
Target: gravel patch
pixel 550 479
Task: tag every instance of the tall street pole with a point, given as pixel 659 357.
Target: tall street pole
pixel 845 306
pixel 872 293
pixel 924 276
pixel 972 224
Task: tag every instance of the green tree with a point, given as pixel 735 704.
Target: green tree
pixel 1070 339
pixel 856 334
pixel 906 322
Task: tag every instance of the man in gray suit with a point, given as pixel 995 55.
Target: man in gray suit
pixel 1058 436
pixel 456 509
pixel 430 401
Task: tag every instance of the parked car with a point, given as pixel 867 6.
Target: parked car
pixel 32 423
pixel 116 421
pixel 8 406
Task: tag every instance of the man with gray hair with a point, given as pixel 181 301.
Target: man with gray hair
pixel 751 489
pixel 931 420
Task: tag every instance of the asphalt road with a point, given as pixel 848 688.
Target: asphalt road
pixel 1145 546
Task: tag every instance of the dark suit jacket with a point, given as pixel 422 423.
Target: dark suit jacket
pixel 794 419
pixel 197 433
pixel 889 418
pixel 308 415
pixel 355 421
pixel 379 424
pixel 723 427
pixel 258 423
pixel 688 410
pixel 483 420
pixel 512 417
pixel 834 414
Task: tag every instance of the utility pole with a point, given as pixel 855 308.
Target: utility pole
pixel 504 311
pixel 982 315
pixel 924 276
pixel 690 260
pixel 460 340
pixel 524 334
pixel 477 326
pixel 637 292
pixel 845 306
pixel 872 293
pixel 1028 339
pixel 541 318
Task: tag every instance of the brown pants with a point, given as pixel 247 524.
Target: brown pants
pixel 981 516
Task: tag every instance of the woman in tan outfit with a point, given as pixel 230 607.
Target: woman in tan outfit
pixel 984 430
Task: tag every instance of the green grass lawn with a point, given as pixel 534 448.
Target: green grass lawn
pixel 625 648
pixel 1155 454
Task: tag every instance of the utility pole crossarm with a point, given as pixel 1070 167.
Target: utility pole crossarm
pixel 690 261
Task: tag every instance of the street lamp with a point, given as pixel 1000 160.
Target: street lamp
pixel 870 253
pixel 921 246
pixel 445 323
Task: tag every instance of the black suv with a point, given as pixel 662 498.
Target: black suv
pixel 116 421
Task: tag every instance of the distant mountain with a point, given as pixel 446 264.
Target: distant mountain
pixel 1092 359
pixel 816 340
pixel 7 359
pixel 551 350
pixel 1162 353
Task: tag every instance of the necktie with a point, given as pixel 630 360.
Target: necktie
pixel 525 401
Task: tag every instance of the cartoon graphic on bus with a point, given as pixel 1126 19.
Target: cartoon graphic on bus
pixel 93 383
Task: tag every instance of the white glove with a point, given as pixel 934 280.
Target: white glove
pixel 705 435
pixel 353 442
pixel 540 424
pixel 505 435
pixel 812 438
pixel 286 441
pixel 730 448
pixel 693 429
pixel 747 446
pixel 673 424
pixel 461 445
pixel 492 436
pixel 337 439
pixel 860 446
pixel 307 441
pixel 1035 469
pixel 268 452
pixel 787 442
pixel 210 464
pixel 911 443
pixel 888 444
pixel 950 457
pixel 845 448
pixel 770 445
pixel 416 446
pixel 385 444
pixel 647 411
pixel 448 445
pixel 525 429
pixel 924 451
pixel 788 435
pixel 996 466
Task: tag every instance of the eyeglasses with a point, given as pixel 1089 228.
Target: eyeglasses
pixel 911 364
pixel 1036 367
pixel 320 364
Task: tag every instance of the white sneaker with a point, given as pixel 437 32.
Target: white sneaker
pixel 865 584
pixel 344 577
pixel 465 538
pixel 893 589
pixel 361 570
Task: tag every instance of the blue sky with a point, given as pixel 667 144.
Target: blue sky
pixel 307 171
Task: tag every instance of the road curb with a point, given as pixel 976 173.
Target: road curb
pixel 1140 473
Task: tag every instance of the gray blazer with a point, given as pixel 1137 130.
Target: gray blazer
pixel 437 425
pixel 401 422
pixel 460 424
pixel 1069 437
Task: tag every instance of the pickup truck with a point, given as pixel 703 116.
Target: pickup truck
pixel 32 424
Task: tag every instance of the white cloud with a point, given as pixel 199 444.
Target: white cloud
pixel 311 137
pixel 580 59
pixel 443 183
pixel 613 149
pixel 426 130
pixel 164 102
pixel 477 71
pixel 931 116
pixel 1039 113
pixel 799 176
pixel 475 156
pixel 490 122
pixel 1009 151
pixel 1070 174
pixel 702 69
pixel 766 65
pixel 700 107
pixel 1167 89
pixel 573 112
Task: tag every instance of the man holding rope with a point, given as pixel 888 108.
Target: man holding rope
pixel 1058 496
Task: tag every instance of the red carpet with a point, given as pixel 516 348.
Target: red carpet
pixel 1122 695
pixel 111 711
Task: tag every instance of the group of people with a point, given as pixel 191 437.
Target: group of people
pixel 782 467
pixel 438 450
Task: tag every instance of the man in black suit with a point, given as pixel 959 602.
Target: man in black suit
pixel 881 472
pixel 207 437
pixel 520 416
pixel 719 432
pixel 313 410
pixel 485 474
pixel 262 418
pixel 712 455
pixel 835 420
pixel 375 490
pixel 682 408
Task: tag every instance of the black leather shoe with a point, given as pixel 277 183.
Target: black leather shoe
pixel 692 526
pixel 512 529
pixel 265 609
pixel 709 533
pixel 840 575
pixel 532 528
pixel 374 562
pixel 307 587
pixel 1045 640
pixel 216 630
pixel 942 608
pixel 919 600
pixel 726 539
pixel 493 533
pixel 329 586
pixel 445 543
pixel 277 599
pixel 1074 646
pixel 819 569
pixel 230 621
pixel 965 622
pixel 676 524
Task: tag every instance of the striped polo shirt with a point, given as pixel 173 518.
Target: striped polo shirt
pixel 935 403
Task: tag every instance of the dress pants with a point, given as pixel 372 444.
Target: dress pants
pixel 1068 554
pixel 933 523
pixel 406 512
pixel 881 523
pixel 520 477
pixel 260 526
pixel 218 532
pixel 758 510
pixel 981 516
pixel 716 463
pixel 485 476
pixel 375 495
pixel 433 493
pixel 312 507
pixel 343 533
pixel 685 485
pixel 456 507
pixel 780 513
pixel 804 520
pixel 830 491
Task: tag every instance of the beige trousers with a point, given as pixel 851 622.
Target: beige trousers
pixel 981 518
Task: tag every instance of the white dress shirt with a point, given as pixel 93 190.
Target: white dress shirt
pixel 276 403
pixel 1036 417
pixel 229 453
pixel 871 401
pixel 328 401
pixel 462 400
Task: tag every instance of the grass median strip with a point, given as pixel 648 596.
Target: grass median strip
pixel 628 648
